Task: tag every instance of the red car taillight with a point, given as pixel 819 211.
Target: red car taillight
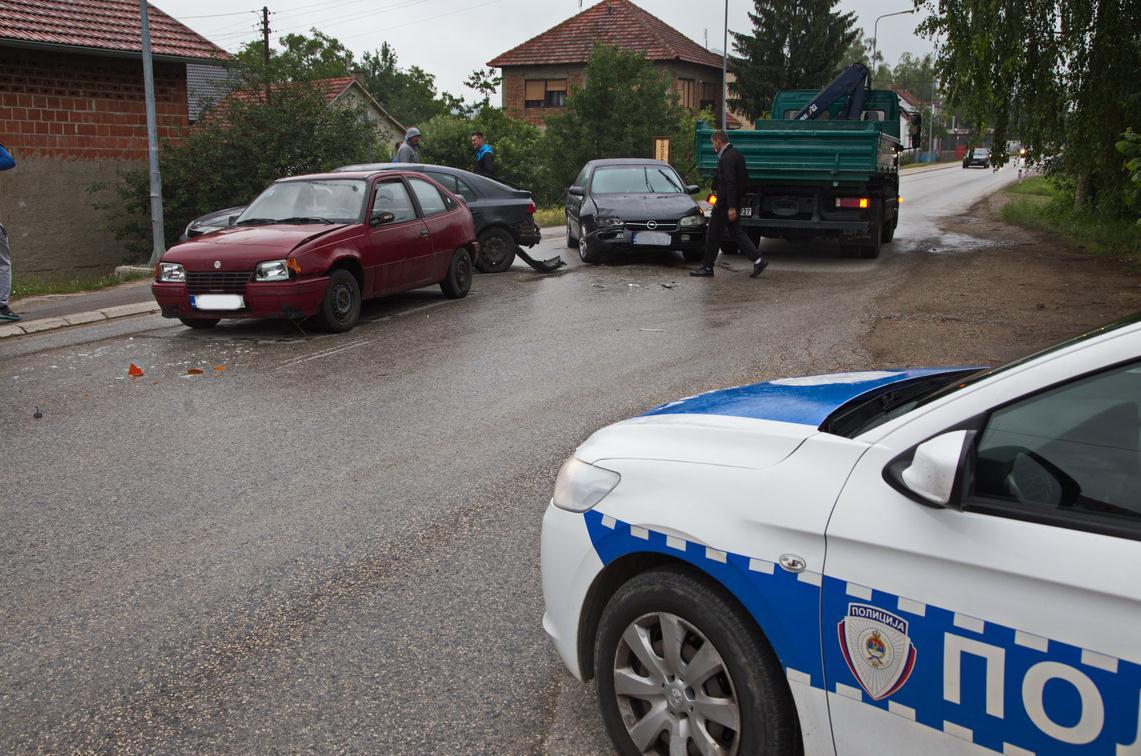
pixel 531 208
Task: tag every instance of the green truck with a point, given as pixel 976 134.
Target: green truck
pixel 821 168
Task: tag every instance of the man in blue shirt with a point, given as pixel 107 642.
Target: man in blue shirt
pixel 484 157
pixel 6 162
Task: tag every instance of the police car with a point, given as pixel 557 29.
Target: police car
pixel 896 562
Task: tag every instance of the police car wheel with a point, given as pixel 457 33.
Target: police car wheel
pixel 674 659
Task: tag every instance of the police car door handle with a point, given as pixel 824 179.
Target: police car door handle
pixel 792 562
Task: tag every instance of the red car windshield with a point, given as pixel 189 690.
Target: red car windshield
pixel 315 201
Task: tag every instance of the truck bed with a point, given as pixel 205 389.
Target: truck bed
pixel 835 152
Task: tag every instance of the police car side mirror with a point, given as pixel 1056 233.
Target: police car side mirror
pixel 933 472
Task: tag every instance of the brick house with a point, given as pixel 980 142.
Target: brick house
pixel 72 112
pixel 538 74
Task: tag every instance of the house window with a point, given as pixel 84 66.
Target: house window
pixel 686 90
pixel 545 93
pixel 710 96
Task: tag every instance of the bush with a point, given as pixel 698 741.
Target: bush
pixel 239 147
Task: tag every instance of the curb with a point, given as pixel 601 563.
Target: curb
pixel 24 328
pixel 920 168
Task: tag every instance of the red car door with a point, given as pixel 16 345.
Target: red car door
pixel 439 215
pixel 397 249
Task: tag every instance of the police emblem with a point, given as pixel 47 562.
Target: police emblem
pixel 877 649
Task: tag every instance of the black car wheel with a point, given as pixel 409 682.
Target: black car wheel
pixel 341 307
pixel 200 323
pixel 588 251
pixel 571 241
pixel 457 283
pixel 675 661
pixel 496 251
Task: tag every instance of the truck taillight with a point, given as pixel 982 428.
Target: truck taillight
pixel 860 202
pixel 531 208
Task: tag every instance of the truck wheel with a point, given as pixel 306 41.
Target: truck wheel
pixel 870 250
pixel 496 251
pixel 888 232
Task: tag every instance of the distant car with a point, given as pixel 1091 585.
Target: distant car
pixel 503 215
pixel 931 561
pixel 979 156
pixel 317 246
pixel 633 204
pixel 214 221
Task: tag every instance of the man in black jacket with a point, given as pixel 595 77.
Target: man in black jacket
pixel 728 187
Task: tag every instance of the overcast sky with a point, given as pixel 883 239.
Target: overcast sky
pixel 450 38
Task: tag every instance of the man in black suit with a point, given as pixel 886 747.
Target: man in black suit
pixel 728 186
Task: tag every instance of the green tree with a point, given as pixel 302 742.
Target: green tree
pixel 485 82
pixel 240 147
pixel 301 58
pixel 1061 75
pixel 408 94
pixel 794 44
pixel 623 105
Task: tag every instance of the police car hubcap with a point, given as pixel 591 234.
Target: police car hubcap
pixel 662 659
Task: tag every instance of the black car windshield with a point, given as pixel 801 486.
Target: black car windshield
pixel 636 179
pixel 308 201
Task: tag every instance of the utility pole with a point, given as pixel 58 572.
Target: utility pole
pixel 158 238
pixel 725 72
pixel 265 47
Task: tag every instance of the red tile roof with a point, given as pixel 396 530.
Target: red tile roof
pixel 112 25
pixel 611 22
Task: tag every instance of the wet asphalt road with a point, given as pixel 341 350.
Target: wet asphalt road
pixel 331 543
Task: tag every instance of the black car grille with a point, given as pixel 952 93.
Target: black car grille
pixel 218 282
pixel 662 225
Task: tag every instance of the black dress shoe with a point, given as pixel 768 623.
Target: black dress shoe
pixel 702 273
pixel 759 267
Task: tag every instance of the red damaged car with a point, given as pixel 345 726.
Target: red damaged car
pixel 318 246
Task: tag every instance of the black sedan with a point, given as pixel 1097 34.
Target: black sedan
pixel 979 156
pixel 633 204
pixel 503 215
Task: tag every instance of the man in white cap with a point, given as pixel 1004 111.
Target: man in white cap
pixel 408 151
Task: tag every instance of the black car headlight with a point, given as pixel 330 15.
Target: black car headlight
pixel 693 220
pixel 609 222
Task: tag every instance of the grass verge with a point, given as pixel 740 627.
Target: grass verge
pixel 34 287
pixel 1036 204
pixel 550 216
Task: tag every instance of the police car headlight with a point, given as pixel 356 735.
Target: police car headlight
pixel 692 220
pixel 171 273
pixel 580 486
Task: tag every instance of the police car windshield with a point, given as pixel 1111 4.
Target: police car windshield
pixel 870 410
pixel 635 179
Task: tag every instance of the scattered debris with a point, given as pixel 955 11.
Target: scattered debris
pixel 670 285
pixel 194 371
pixel 219 368
pixel 653 330
pixel 38 413
pixel 134 371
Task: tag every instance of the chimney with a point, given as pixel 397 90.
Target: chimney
pixel 358 76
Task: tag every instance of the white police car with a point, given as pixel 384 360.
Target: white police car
pixel 898 562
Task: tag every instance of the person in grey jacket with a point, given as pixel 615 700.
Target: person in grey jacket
pixel 409 151
pixel 6 162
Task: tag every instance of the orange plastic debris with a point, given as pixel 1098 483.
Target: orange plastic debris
pixel 134 370
pixel 219 368
pixel 194 371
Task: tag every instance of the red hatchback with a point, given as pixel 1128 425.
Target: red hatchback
pixel 319 245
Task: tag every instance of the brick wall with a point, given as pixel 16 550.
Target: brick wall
pixel 72 121
pixel 85 107
pixel 514 92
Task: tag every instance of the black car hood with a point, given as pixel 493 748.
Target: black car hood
pixel 638 207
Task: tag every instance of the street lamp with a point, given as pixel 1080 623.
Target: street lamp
pixel 875 38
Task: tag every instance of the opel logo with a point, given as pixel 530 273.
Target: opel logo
pixel 652 225
pixel 217 264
